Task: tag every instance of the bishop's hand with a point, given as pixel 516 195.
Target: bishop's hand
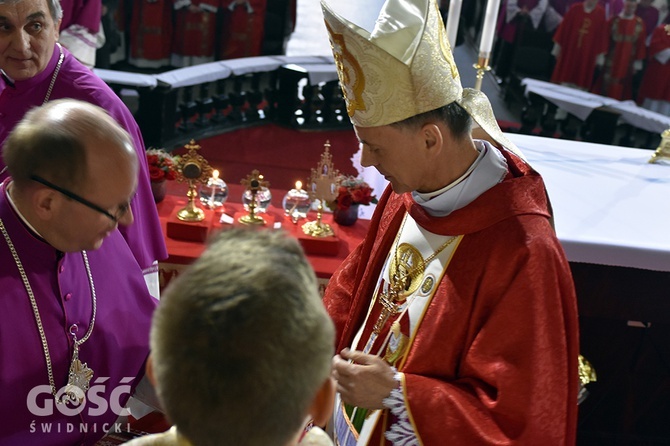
pixel 363 380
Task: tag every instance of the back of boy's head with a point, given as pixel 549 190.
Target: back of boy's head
pixel 241 342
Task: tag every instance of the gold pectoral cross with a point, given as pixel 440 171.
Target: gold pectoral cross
pixel 389 308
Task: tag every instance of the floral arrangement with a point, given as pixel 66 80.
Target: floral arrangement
pixel 352 190
pixel 161 165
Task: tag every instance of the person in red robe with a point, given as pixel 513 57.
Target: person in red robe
pixel 579 39
pixel 243 28
pixel 654 91
pixel 194 32
pixel 456 317
pixel 151 34
pixel 625 55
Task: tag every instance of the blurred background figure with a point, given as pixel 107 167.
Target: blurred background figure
pixel 579 40
pixel 151 34
pixel 514 19
pixel 80 30
pixel 242 32
pixel 194 36
pixel 625 55
pixel 113 40
pixel 654 91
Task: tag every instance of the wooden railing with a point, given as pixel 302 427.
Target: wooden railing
pixel 204 100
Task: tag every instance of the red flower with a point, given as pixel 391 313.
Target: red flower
pixel 152 160
pixel 161 165
pixel 156 173
pixel 352 191
pixel 344 201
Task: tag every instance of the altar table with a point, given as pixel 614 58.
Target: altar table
pixel 181 253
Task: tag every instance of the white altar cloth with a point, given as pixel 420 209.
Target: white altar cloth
pixel 581 104
pixel 611 206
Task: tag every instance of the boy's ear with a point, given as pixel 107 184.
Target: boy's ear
pixel 149 368
pixel 322 406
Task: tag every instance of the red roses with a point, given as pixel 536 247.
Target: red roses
pixel 352 190
pixel 161 165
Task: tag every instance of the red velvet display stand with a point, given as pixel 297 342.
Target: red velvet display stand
pixel 192 231
pixel 183 252
pixel 325 246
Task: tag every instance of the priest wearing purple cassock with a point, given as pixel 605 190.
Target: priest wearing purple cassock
pixel 35 69
pixel 77 312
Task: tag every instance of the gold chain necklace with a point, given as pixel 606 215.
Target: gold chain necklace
pixel 55 75
pixel 398 283
pixel 79 376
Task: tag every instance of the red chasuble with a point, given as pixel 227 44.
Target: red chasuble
pixel 195 32
pixel 243 26
pixel 656 80
pixel 582 36
pixel 494 360
pixel 626 46
pixel 151 33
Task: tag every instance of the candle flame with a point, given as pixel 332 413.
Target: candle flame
pixel 215 174
pixel 298 185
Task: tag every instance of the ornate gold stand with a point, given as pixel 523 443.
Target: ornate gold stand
pixel 662 153
pixel 323 186
pixel 317 228
pixel 194 169
pixel 191 212
pixel 482 66
pixel 254 183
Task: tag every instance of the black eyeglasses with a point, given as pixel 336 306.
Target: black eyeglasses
pixel 115 218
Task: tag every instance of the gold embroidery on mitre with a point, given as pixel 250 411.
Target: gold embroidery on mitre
pixel 403 76
pixel 350 72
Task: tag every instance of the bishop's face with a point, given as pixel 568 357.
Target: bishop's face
pixel 394 153
pixel 111 186
pixel 28 34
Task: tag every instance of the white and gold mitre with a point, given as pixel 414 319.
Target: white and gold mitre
pixel 404 67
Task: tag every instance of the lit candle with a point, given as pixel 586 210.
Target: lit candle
pixel 294 193
pixel 490 20
pixel 296 202
pixel 215 192
pixel 452 21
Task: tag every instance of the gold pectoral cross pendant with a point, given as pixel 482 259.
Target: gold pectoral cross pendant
pixel 389 308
